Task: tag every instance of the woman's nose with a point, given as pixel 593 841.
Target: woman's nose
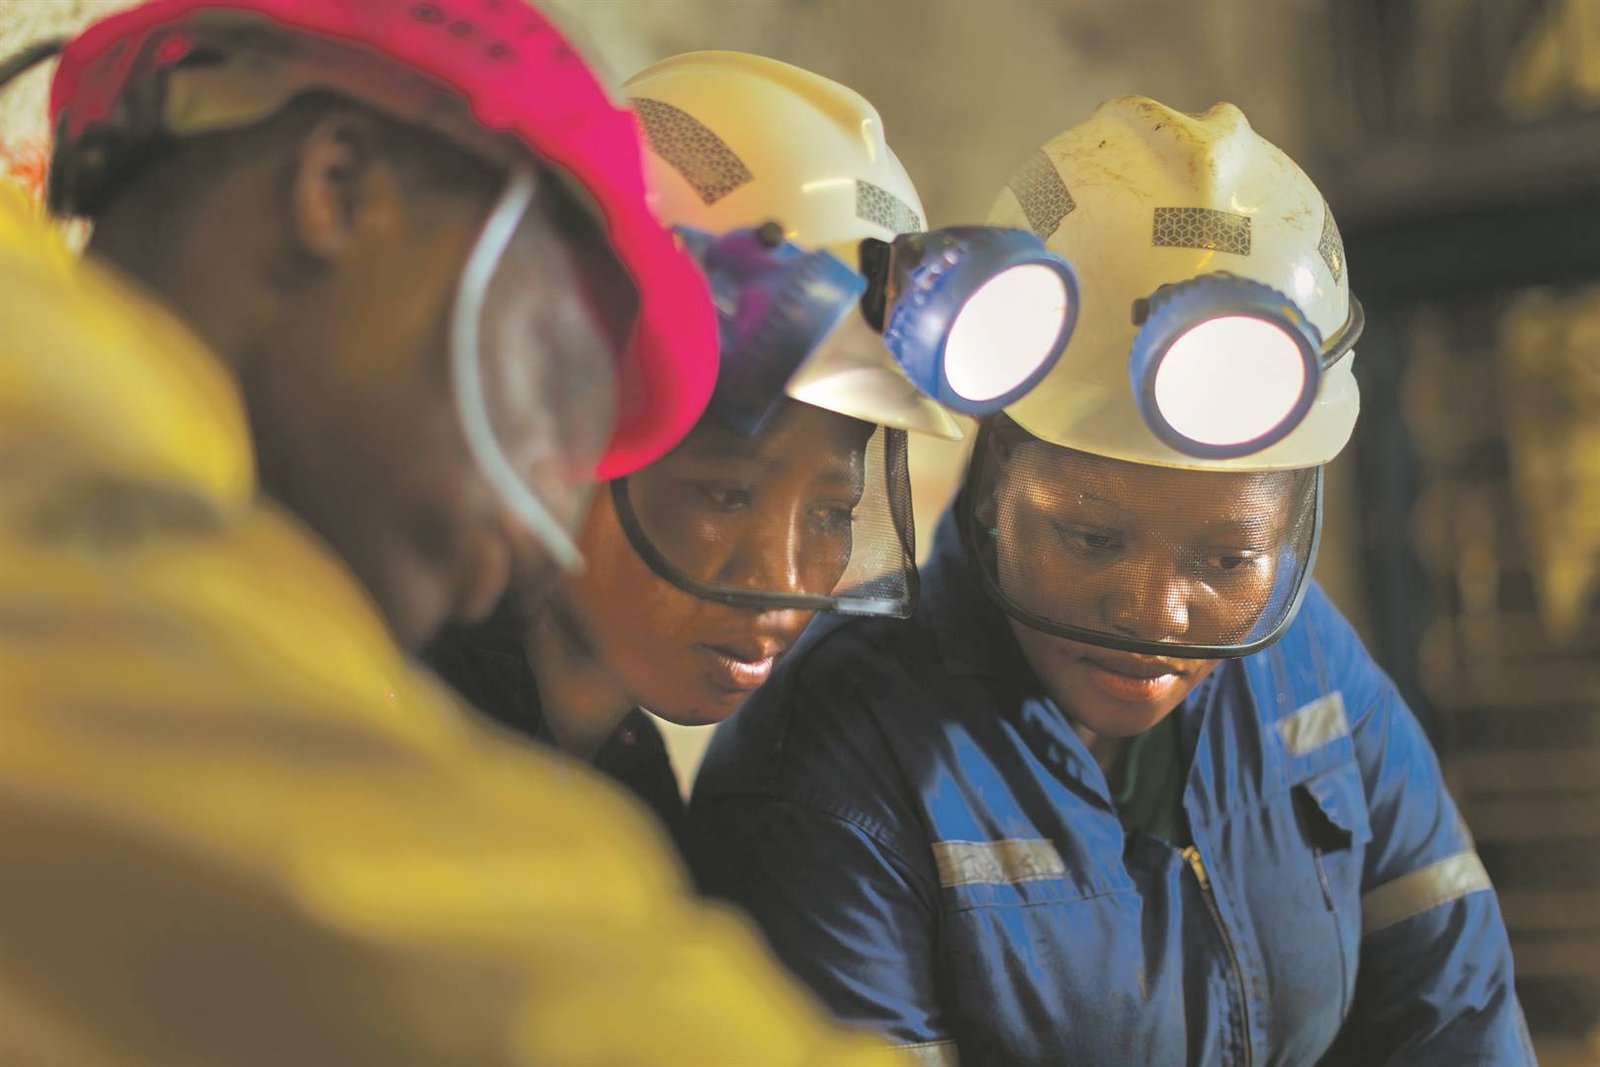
pixel 1148 599
pixel 773 557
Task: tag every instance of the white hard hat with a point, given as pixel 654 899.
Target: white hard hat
pixel 1140 196
pixel 738 140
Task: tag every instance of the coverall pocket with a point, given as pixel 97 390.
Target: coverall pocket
pixel 1335 808
pixel 1332 808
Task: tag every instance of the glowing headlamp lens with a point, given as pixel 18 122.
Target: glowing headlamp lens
pixel 1224 366
pixel 1007 331
pixel 1230 381
pixel 979 314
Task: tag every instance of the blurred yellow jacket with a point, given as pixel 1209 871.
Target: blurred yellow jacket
pixel 236 825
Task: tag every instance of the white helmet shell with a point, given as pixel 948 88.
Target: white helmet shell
pixel 1140 196
pixel 739 140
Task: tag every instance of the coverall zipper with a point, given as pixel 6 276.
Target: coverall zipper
pixel 1191 855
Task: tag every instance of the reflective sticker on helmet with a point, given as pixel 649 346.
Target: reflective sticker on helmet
pixel 879 206
pixel 1332 244
pixel 704 159
pixel 1042 194
pixel 1202 227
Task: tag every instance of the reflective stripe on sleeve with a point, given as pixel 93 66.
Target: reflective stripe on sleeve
pixel 1015 859
pixel 1318 723
pixel 1412 894
pixel 933 1053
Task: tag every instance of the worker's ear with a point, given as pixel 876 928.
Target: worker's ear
pixel 341 184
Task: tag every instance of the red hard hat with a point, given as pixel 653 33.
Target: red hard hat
pixel 520 77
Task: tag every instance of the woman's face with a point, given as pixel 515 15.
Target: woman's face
pixel 770 513
pixel 1134 552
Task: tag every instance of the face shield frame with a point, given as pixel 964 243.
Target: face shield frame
pixel 779 306
pixel 893 454
pixel 984 563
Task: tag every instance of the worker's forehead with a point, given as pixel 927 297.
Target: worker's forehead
pixel 1052 477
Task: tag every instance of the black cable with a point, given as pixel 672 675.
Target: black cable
pixel 15 66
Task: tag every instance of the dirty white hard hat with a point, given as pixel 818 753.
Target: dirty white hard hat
pixel 738 140
pixel 1140 196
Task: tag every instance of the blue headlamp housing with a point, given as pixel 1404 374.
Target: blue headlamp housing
pixel 1265 326
pixel 974 315
pixel 929 284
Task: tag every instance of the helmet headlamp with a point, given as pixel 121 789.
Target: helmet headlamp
pixel 974 315
pixel 1223 366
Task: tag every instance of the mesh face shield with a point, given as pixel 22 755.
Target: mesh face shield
pixel 542 315
pixel 1154 560
pixel 812 514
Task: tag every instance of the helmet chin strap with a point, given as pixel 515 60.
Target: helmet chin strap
pixel 465 355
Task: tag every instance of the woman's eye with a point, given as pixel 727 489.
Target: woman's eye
pixel 725 497
pixel 1231 561
pixel 1087 539
pixel 834 516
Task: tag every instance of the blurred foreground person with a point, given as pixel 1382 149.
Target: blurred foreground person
pixel 1127 789
pixel 790 496
pixel 397 257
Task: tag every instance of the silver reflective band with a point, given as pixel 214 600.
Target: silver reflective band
pixel 932 1053
pixel 1016 859
pixel 1412 894
pixel 1315 725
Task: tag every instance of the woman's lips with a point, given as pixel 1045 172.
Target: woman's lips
pixel 739 670
pixel 1133 679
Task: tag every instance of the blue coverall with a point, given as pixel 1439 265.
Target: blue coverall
pixel 925 841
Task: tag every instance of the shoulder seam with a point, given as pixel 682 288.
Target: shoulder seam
pixel 881 835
